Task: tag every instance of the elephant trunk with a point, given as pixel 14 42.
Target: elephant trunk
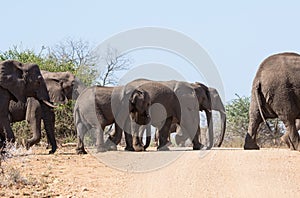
pixel 49 124
pixel 210 128
pixel 223 128
pixel 148 136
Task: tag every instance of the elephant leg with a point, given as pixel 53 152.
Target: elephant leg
pixel 292 134
pixel 128 140
pixel 2 139
pixel 10 137
pixel 48 117
pixel 180 141
pixel 114 138
pixel 196 144
pixel 80 136
pixel 136 140
pixel 100 139
pixel 156 137
pixel 163 134
pixel 148 136
pixel 285 138
pixel 250 140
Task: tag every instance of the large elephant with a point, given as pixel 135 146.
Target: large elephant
pixel 208 100
pixel 60 86
pixel 172 101
pixel 19 81
pixel 98 107
pixel 276 94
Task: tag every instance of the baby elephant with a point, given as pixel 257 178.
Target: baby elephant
pixel 98 107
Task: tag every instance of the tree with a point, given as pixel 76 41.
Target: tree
pixel 78 55
pixel 115 62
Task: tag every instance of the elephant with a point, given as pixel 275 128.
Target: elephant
pixel 208 100
pixel 99 106
pixel 19 82
pixel 60 86
pixel 275 94
pixel 172 101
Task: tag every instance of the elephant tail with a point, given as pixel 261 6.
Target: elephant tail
pixel 259 104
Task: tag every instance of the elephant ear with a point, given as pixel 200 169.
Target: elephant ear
pixel 12 78
pixel 55 91
pixel 133 99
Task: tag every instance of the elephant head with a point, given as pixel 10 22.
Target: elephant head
pixel 139 104
pixel 209 99
pixel 22 81
pixel 62 86
pixel 17 82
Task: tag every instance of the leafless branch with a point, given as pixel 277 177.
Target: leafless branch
pixel 115 62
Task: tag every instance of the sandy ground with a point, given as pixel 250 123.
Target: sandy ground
pixel 217 173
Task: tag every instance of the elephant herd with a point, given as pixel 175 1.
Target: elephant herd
pixel 27 93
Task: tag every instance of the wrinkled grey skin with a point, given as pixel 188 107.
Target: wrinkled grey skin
pixel 98 107
pixel 276 94
pixel 18 82
pixel 177 103
pixel 60 86
pixel 208 99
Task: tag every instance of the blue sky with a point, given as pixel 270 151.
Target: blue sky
pixel 237 35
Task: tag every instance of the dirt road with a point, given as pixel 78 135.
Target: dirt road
pixel 218 173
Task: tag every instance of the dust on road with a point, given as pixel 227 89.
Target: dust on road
pixel 218 173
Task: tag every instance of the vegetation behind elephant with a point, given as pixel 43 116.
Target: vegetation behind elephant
pixel 98 107
pixel 172 101
pixel 19 81
pixel 276 94
pixel 60 86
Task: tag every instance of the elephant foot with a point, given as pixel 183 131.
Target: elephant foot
pixel 110 146
pixel 80 151
pixel 53 149
pixel 250 144
pixel 129 148
pixel 138 148
pixel 145 147
pixel 101 149
pixel 294 144
pixel 179 140
pixel 198 146
pixel 163 148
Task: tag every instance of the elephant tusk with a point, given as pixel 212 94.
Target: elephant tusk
pixel 49 104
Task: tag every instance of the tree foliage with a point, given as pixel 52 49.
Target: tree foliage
pixel 237 112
